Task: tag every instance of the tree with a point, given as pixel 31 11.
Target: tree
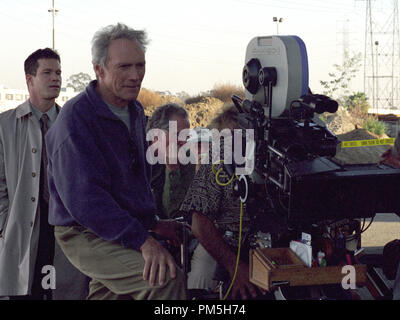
pixel 338 85
pixel 78 81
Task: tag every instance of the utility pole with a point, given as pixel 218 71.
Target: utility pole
pixel 53 13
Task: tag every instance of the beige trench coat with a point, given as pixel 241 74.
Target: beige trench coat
pixel 20 156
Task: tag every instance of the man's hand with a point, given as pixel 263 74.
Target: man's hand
pixel 156 259
pixel 242 285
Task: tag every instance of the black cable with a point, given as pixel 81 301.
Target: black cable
pixel 363 224
pixel 372 219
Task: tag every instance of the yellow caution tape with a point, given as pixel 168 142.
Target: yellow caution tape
pixel 367 143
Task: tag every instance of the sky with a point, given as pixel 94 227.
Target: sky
pixel 194 45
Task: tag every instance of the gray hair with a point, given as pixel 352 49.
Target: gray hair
pixel 102 38
pixel 163 114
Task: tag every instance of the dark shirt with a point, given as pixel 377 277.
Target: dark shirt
pixel 169 188
pixel 98 174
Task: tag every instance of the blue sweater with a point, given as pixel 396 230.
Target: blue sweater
pixel 97 171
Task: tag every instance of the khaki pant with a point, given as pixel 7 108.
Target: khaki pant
pixel 116 271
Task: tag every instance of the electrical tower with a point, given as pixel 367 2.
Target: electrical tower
pixel 382 54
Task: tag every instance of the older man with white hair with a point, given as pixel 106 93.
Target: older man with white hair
pixel 101 204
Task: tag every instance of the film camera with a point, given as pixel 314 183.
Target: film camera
pixel 294 151
pixel 296 187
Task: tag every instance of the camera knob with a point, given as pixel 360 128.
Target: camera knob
pixel 250 75
pixel 267 75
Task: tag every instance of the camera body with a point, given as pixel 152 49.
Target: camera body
pixel 288 56
pixel 293 151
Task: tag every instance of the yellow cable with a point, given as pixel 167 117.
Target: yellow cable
pixel 240 225
pixel 238 253
pixel 218 162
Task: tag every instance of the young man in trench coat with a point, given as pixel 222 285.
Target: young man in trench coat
pixel 26 238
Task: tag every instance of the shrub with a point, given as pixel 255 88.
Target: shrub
pixel 224 92
pixel 357 106
pixel 357 101
pixel 374 125
pixel 149 98
pixel 195 99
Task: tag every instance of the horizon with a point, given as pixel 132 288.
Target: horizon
pixel 193 46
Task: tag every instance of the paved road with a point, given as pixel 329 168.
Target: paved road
pixel 384 228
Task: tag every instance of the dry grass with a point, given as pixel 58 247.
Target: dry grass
pixel 202 112
pixel 196 99
pixel 149 98
pixel 152 100
pixel 224 91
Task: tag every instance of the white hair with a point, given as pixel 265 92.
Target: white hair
pixel 102 38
